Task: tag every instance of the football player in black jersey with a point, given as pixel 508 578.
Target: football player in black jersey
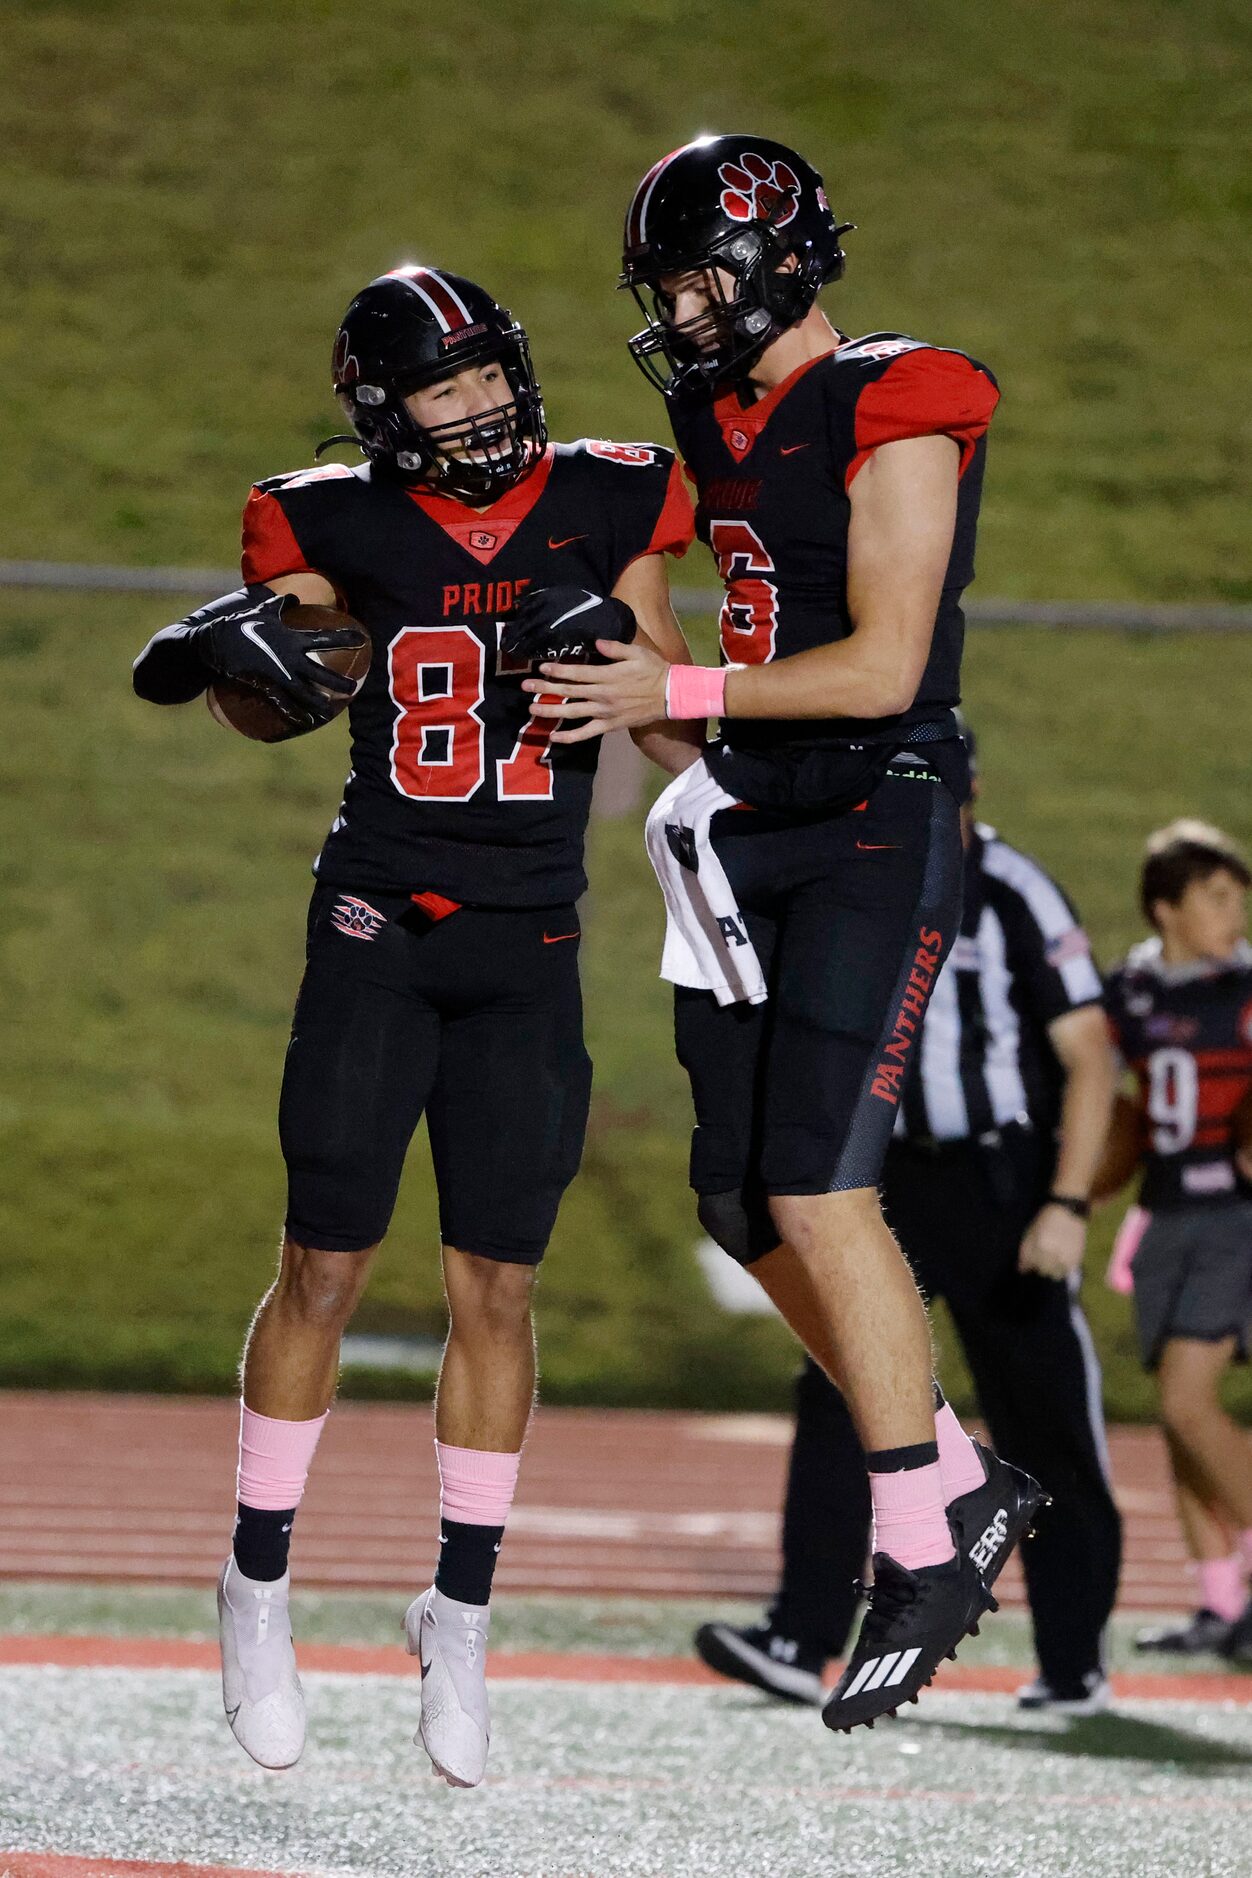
pixel 838 483
pixel 442 964
pixel 1180 1007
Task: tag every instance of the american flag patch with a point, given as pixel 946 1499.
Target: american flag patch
pixel 1073 944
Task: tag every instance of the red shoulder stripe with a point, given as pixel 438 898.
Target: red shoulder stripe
pixel 676 524
pixel 924 393
pixel 270 548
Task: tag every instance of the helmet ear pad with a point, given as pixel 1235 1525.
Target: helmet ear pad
pixel 758 260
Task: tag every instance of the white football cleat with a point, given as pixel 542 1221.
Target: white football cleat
pixel 260 1688
pixel 450 1641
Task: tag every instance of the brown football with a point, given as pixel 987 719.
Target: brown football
pixel 251 713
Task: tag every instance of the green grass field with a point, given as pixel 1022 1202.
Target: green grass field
pixel 187 203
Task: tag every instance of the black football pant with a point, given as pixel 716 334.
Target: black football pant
pixel 475 1021
pixel 960 1213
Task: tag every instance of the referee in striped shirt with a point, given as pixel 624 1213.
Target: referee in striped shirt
pixel 986 1185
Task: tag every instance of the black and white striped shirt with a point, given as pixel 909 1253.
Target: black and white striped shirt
pixel 1020 960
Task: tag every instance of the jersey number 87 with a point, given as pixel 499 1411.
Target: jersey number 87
pixel 438 750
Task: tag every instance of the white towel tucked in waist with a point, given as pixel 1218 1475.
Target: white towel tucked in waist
pixel 707 947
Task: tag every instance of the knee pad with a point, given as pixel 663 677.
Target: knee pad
pixel 743 1229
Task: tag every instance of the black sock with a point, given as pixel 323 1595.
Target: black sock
pixel 262 1541
pixel 902 1460
pixel 467 1560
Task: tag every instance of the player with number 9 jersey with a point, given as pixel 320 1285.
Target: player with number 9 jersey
pixel 442 956
pixel 1181 1016
pixel 1186 1032
pixel 1180 1009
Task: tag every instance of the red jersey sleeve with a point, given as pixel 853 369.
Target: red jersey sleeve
pixel 924 392
pixel 270 548
pixel 676 524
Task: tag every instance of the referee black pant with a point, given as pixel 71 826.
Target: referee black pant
pixel 960 1212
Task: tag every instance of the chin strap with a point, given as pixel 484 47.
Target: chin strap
pixel 328 443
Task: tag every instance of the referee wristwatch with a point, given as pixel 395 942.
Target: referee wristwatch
pixel 1081 1209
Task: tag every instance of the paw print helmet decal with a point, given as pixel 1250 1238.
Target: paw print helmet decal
pixel 749 210
pixel 758 190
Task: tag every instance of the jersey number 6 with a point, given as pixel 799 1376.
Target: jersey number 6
pixel 749 616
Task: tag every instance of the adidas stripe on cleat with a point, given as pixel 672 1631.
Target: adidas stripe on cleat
pixel 915 1619
pixel 988 1522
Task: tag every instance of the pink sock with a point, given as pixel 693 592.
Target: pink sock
pixel 1221 1586
pixel 274 1459
pixel 476 1487
pixel 958 1457
pixel 910 1524
pixel 1120 1275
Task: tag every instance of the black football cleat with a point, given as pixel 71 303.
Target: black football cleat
pixel 915 1619
pixel 1203 1634
pixel 1085 1695
pixel 1238 1645
pixel 761 1656
pixel 990 1520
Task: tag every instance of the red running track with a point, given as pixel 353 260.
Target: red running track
pixel 657 1504
pixel 63 1865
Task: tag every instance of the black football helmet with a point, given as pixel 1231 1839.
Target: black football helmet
pixel 411 328
pixel 742 204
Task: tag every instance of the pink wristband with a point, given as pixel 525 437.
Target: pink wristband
pixel 695 691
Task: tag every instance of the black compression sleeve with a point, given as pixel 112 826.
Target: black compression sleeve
pixel 169 670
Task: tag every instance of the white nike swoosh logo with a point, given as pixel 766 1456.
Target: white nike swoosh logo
pixel 593 599
pixel 250 632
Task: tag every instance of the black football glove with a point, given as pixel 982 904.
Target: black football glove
pixel 242 636
pixel 560 625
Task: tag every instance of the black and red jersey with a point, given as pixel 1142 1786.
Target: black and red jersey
pixel 453 788
pixel 1186 1031
pixel 773 480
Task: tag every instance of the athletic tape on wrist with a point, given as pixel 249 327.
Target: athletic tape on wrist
pixel 695 691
